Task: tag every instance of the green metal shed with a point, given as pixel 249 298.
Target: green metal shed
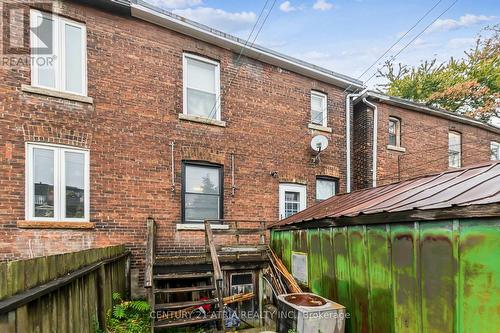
pixel 421 255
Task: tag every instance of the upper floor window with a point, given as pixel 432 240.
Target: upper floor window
pixel 57 183
pixel 202 192
pixel 394 132
pixel 201 87
pixel 292 199
pixel 495 151
pixel 454 149
pixel 318 108
pixel 326 187
pixel 59 51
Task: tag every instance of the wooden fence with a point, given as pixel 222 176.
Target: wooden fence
pixel 68 292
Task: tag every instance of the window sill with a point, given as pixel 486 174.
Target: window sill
pixel 200 226
pixel 319 128
pixel 57 94
pixel 54 225
pixel 202 120
pixel 396 148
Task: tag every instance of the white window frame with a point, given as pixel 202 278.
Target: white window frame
pixel 398 130
pixel 59 183
pixel 290 187
pixel 58 38
pixel 324 97
pixel 459 149
pixel 187 56
pixel 495 144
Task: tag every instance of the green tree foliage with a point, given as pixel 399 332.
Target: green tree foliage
pixel 469 86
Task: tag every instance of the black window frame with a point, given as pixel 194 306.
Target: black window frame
pixel 183 189
pixel 330 178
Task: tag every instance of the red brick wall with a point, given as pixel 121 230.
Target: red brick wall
pixel 362 150
pixel 425 138
pixel 135 79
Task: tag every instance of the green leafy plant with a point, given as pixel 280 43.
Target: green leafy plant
pixel 128 316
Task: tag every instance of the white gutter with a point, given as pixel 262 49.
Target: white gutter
pixel 348 136
pixel 375 136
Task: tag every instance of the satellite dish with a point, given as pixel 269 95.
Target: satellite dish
pixel 319 143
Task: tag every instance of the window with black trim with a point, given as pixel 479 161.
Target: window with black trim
pixel 326 187
pixel 201 192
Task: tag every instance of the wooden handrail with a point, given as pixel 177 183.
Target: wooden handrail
pixel 213 251
pixel 150 252
pixel 218 277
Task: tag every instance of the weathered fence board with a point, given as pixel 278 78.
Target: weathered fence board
pixel 60 293
pixel 436 276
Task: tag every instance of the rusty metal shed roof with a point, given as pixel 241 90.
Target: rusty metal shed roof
pixel 466 192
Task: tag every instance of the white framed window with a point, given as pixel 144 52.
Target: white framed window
pixel 394 132
pixel 59 51
pixel 201 90
pixel 319 108
pixel 495 150
pixel 326 187
pixel 292 199
pixel 57 183
pixel 454 149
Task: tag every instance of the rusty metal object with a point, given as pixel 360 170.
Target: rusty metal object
pixel 305 300
pixel 467 192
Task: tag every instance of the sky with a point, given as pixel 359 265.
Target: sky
pixel 348 36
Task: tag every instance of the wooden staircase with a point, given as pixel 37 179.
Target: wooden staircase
pixel 192 292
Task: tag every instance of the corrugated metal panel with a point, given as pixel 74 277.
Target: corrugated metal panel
pixel 433 276
pixel 477 185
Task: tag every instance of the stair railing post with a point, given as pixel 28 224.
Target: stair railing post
pixel 150 261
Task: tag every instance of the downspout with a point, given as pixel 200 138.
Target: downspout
pixel 348 136
pixel 375 136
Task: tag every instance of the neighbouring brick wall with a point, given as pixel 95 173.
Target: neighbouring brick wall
pixel 362 138
pixel 135 80
pixel 425 138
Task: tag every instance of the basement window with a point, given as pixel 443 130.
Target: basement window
pixel 57 183
pixel 201 192
pixel 454 149
pixel 318 108
pixel 59 51
pixel 495 151
pixel 201 87
pixel 242 283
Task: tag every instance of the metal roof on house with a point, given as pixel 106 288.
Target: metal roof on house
pixel 424 108
pixel 466 192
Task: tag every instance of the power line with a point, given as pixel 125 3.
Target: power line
pixel 410 42
pixel 401 38
pixel 415 38
pixel 219 100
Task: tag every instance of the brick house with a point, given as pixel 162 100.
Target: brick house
pixel 127 128
pixel 144 114
pixel 414 139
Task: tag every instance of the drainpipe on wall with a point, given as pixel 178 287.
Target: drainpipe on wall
pixel 348 136
pixel 375 135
